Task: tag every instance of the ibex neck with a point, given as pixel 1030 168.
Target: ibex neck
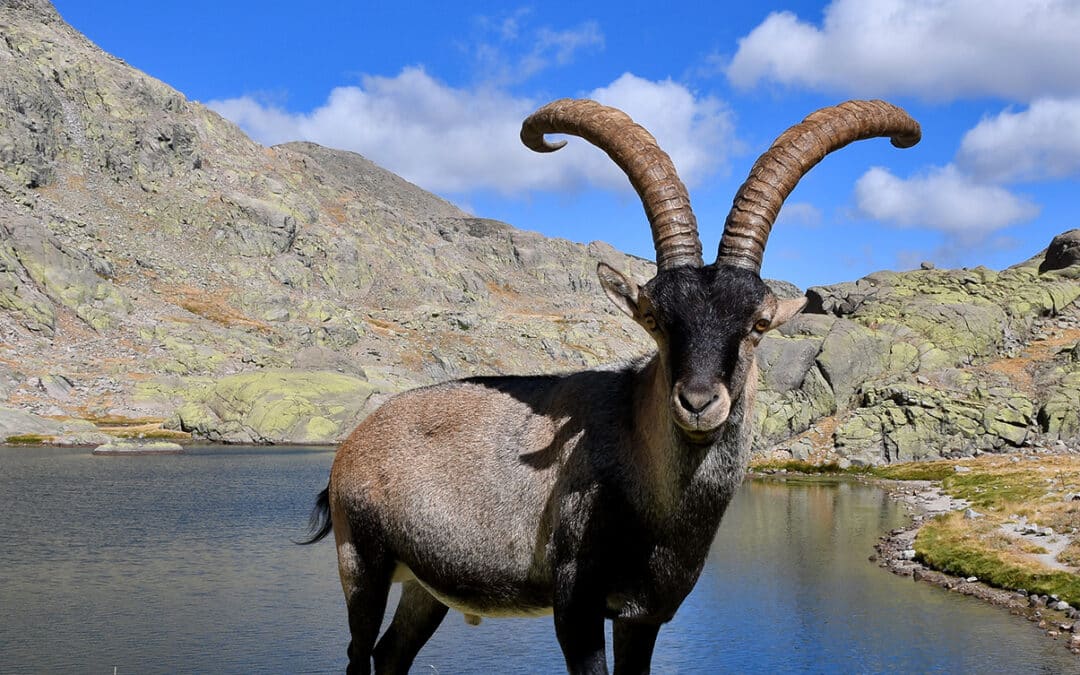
pixel 671 473
pixel 663 462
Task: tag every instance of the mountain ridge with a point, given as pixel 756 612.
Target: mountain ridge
pixel 163 274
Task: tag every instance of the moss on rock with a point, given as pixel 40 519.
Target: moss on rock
pixel 276 407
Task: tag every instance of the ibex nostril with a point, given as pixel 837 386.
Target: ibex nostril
pixel 696 402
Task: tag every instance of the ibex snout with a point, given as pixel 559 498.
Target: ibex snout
pixel 700 407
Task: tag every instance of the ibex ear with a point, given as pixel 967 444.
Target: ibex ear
pixel 787 308
pixel 622 291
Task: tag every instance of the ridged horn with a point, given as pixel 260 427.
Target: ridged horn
pixel 650 170
pixel 775 174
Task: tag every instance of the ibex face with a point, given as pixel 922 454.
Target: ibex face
pixel 706 322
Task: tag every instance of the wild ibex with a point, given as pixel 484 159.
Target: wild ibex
pixel 595 494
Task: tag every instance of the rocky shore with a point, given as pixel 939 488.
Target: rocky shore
pixel 895 552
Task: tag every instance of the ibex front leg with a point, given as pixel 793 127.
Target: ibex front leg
pixel 633 644
pixel 579 622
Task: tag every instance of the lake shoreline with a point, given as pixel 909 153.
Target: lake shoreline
pixel 894 552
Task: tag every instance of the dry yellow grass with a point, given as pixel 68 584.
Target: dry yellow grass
pixel 212 305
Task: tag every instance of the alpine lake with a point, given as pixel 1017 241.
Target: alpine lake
pixel 186 563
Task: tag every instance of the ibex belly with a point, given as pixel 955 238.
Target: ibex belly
pixel 487 574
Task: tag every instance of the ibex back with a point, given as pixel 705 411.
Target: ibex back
pixel 593 495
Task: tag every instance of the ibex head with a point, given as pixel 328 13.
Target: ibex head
pixel 707 319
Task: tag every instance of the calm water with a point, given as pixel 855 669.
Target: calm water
pixel 184 564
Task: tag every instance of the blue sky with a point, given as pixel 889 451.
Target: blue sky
pixel 436 92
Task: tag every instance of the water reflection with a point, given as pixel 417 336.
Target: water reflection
pixel 184 563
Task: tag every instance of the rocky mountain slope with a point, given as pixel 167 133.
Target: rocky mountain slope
pixel 160 269
pixel 155 259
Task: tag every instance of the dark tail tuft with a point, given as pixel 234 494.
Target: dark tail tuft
pixel 320 525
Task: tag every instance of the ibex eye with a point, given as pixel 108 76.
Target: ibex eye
pixel 650 321
pixel 762 325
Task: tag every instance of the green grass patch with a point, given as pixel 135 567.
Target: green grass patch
pixel 944 544
pixel 994 490
pixel 28 439
pixel 914 471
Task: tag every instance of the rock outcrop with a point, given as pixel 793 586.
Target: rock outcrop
pixel 158 266
pixel 927 364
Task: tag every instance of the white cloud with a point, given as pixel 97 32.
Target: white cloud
pixel 457 140
pixel 944 199
pixel 508 50
pixel 1040 142
pixel 799 213
pixel 1018 49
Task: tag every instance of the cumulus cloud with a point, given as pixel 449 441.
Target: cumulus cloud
pixel 1018 49
pixel 455 140
pixel 799 213
pixel 944 199
pixel 1038 143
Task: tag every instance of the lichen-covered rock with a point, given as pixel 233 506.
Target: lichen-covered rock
pixel 1059 412
pixel 68 276
pixel 903 355
pixel 909 422
pixel 130 448
pixel 21 426
pixel 276 407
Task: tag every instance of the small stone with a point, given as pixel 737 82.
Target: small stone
pixel 926 265
pixel 962 469
pixel 135 447
pixel 1060 605
pixel 972 514
pixel 908 554
pixel 971 580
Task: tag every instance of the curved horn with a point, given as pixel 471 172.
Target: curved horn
pixel 651 172
pixel 795 152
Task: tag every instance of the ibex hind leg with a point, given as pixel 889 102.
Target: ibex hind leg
pixel 365 579
pixel 417 616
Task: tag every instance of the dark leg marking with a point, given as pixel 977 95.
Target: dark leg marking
pixel 417 616
pixel 633 643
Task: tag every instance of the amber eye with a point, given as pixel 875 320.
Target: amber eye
pixel 649 321
pixel 762 325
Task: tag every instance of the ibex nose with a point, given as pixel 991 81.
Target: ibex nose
pixel 696 400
